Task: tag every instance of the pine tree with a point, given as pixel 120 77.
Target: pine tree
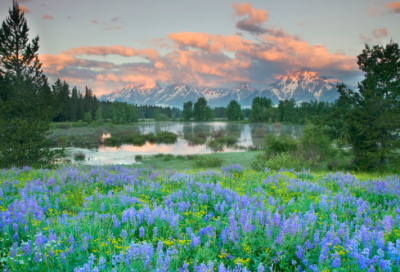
pixel 371 123
pixel 187 111
pixel 27 102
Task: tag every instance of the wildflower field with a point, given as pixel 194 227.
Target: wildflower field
pixel 125 219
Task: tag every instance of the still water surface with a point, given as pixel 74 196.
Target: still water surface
pixel 248 135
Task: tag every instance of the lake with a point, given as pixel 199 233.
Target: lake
pixel 193 138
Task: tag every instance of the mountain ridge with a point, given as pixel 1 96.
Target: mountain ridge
pixel 303 85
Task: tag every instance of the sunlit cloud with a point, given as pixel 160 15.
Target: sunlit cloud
pixel 202 59
pixel 24 9
pixel 48 17
pixel 394 7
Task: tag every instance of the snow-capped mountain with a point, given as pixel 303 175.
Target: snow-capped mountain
pixel 303 85
pixel 133 94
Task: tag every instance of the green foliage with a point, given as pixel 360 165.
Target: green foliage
pixel 78 123
pixel 199 112
pixel 166 137
pixel 151 137
pixel 314 142
pixel 279 144
pixel 233 111
pixel 202 161
pixel 138 157
pixel 122 113
pixel 27 104
pixel 99 118
pixel 136 139
pixel 276 161
pixel 88 117
pixel 261 109
pixel 368 119
pixel 158 116
pixel 79 156
pixel 112 141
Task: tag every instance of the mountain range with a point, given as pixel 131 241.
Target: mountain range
pixel 304 85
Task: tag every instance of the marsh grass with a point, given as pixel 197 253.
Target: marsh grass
pixel 202 161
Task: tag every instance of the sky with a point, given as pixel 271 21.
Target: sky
pixel 106 45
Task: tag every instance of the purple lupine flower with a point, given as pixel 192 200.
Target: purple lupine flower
pixel 141 232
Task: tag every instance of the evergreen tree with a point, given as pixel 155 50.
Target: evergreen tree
pixel 371 122
pixel 74 105
pixel 233 111
pixel 199 112
pixel 187 111
pixel 26 100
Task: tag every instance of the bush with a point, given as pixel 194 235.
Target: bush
pixel 78 123
pixel 79 156
pixel 62 141
pixel 314 142
pixel 151 137
pixel 138 157
pixel 136 139
pixel 219 133
pixel 216 145
pixel 230 140
pixel 166 137
pixel 206 161
pixel 112 141
pixel 64 126
pixel 276 145
pixel 275 162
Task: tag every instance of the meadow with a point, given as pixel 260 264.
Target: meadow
pixel 119 218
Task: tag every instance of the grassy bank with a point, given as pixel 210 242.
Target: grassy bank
pixel 182 162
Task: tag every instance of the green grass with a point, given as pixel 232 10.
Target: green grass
pixel 183 162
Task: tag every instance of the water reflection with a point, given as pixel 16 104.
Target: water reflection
pixel 193 138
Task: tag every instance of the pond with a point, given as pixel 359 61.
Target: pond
pixel 96 147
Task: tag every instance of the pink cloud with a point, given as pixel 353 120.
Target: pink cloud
pixel 258 16
pixel 24 9
pixel 203 59
pixel 394 7
pixel 95 22
pixel 379 33
pixel 47 17
pixel 301 23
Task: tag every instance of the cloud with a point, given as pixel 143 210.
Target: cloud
pixel 394 7
pixel 111 27
pixel 69 17
pixel 47 17
pixel 379 33
pixel 95 22
pixel 24 9
pixel 390 8
pixel 301 23
pixel 203 59
pixel 254 20
pixel 115 19
pixel 256 16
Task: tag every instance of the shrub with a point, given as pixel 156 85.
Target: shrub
pixel 219 133
pixel 314 142
pixel 276 145
pixel 79 156
pixel 151 137
pixel 275 162
pixel 198 141
pixel 230 140
pixel 201 135
pixel 78 123
pixel 112 141
pixel 62 141
pixel 64 126
pixel 206 161
pixel 138 157
pixel 136 139
pixel 166 137
pixel 216 145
